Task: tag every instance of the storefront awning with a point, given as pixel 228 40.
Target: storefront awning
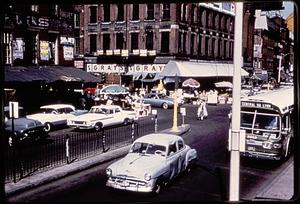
pixel 143 76
pixel 48 74
pixel 201 69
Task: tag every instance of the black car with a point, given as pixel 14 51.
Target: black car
pixel 25 128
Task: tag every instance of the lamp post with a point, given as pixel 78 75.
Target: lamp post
pixel 174 127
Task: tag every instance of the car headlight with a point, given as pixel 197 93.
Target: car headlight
pixel 108 172
pixel 147 176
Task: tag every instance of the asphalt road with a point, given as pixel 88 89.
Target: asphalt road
pixel 208 181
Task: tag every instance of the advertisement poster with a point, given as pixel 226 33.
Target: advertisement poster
pixel 68 53
pixel 18 48
pixel 44 50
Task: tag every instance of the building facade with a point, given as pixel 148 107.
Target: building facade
pixel 38 35
pixel 129 38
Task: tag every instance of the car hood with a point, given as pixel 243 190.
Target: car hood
pixel 136 165
pixel 91 116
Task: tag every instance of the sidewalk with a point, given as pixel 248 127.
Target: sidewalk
pixel 281 188
pixel 77 166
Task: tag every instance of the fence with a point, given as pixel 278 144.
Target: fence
pixel 37 156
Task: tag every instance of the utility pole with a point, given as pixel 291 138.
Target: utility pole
pixel 234 145
pixel 279 65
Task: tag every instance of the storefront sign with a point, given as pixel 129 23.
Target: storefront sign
pixel 68 52
pixel 18 48
pixel 105 68
pixel 67 41
pixel 79 64
pixel 44 50
pixel 114 68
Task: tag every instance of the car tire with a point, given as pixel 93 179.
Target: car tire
pixel 157 187
pixel 48 127
pixel 98 126
pixel 165 106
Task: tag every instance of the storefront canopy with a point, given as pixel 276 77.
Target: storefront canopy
pixel 198 69
pixel 48 74
pixel 143 76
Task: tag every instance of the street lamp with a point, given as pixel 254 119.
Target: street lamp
pixel 279 66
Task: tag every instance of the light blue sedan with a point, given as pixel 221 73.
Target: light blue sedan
pixel 159 100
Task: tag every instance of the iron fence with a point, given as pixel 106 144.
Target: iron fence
pixel 30 157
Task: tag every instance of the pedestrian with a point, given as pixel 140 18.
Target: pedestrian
pixel 202 110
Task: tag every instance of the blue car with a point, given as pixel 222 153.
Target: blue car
pixel 159 100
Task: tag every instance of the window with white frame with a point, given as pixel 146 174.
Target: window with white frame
pixel 166 11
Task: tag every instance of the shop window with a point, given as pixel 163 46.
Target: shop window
pixel 93 14
pixel 184 43
pixel 149 40
pixel 213 47
pixel 183 12
pixel 106 41
pixel 120 15
pixel 166 12
pixel 206 46
pixel 93 43
pixel 134 41
pixel 150 11
pixel 135 12
pixel 119 41
pixel 194 14
pixel 106 9
pixel 199 45
pixel 165 42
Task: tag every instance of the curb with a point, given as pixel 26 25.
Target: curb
pixel 57 173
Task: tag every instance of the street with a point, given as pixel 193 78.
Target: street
pixel 208 181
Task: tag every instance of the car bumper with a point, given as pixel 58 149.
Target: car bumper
pixel 129 185
pixel 83 127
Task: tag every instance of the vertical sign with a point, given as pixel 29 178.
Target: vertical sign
pixel 13 109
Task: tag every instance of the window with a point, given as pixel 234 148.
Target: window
pixel 150 11
pixel 77 46
pixel 134 41
pixel 77 20
pixel 106 41
pixel 206 45
pixel 180 144
pixel 106 10
pixel 149 40
pixel 93 14
pixel 120 15
pixel 192 44
pixel 199 44
pixel 120 41
pixel 135 12
pixel 184 43
pixel 93 43
pixel 166 12
pixel 213 46
pixel 194 14
pixel 7 47
pixel 34 8
pixel 165 42
pixel 172 148
pixel 184 12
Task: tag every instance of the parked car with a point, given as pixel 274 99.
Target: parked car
pixel 56 115
pixel 153 160
pixel 22 128
pixel 102 116
pixel 160 100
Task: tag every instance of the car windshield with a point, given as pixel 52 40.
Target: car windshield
pixel 49 110
pixel 269 122
pixel 100 110
pixel 146 148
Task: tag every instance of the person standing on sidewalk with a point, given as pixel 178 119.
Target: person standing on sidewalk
pixel 202 110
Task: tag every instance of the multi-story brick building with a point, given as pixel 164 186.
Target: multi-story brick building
pixel 121 38
pixel 272 44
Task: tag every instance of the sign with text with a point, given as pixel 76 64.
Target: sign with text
pixel 13 109
pixel 68 52
pixel 114 68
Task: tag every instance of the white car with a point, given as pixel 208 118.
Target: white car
pixel 153 160
pixel 102 116
pixel 55 114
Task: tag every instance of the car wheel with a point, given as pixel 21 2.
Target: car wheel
pixel 98 126
pixel 48 127
pixel 165 106
pixel 157 188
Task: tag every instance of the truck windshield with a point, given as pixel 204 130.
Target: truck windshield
pixel 268 122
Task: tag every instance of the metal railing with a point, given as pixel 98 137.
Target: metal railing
pixel 37 156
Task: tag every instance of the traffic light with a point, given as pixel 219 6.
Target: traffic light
pixel 103 77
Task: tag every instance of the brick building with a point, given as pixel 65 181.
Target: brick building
pixel 118 39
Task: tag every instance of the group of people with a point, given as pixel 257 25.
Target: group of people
pixel 202 110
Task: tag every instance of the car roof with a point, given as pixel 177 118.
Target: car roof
pixel 159 138
pixel 56 106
